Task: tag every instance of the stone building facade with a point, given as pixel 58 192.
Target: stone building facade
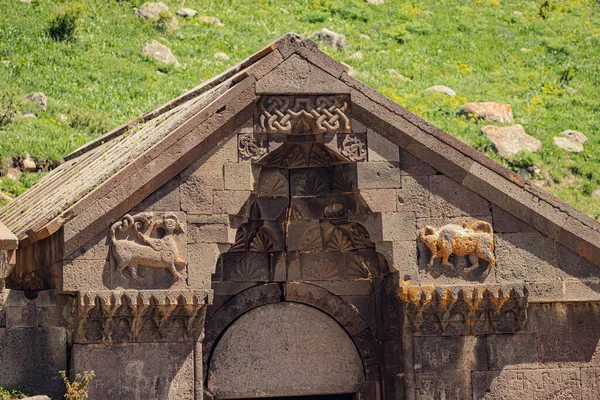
pixel 284 231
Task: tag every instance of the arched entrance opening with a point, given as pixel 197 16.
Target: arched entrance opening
pixel 282 350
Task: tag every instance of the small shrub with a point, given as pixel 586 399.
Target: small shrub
pixel 8 109
pixel 419 28
pixel 64 23
pixel 87 122
pixel 163 24
pixel 544 10
pixel 77 386
pixel 10 394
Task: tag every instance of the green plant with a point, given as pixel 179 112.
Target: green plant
pixel 77 386
pixel 10 394
pixel 64 23
pixel 164 22
pixel 8 110
pixel 544 10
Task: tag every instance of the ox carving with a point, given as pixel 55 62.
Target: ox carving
pixel 474 240
pixel 139 249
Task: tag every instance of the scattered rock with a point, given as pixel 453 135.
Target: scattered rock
pixel 525 50
pixel 37 398
pixel 530 172
pixel 13 174
pixel 488 111
pixel 283 10
pixel 160 52
pixel 63 118
pixel 39 99
pixel 525 174
pixel 357 56
pixel 571 90
pixel 210 20
pixel 221 56
pixel 596 193
pixel 441 89
pixel 29 115
pixel 187 12
pixel 365 37
pixel 398 75
pixel 330 38
pixel 509 140
pixel 568 144
pixel 518 13
pixel 376 1
pixel 152 11
pixel 578 136
pixel 25 1
pixel 28 164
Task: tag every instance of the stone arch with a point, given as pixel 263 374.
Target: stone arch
pixel 261 350
pixel 347 316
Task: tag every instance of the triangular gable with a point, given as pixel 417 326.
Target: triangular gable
pixel 295 64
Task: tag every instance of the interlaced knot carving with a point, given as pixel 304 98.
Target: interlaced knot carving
pixel 304 115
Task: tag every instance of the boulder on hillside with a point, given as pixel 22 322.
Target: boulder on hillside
pixel 568 144
pixel 376 1
pixel 187 12
pixel 330 38
pixel 221 56
pixel 441 89
pixel 509 140
pixel 152 11
pixel 14 174
pixel 28 164
pixel 39 99
pixel 357 56
pixel 398 75
pixel 596 192
pixel 159 52
pixel 577 136
pixel 488 111
pixel 37 398
pixel 210 20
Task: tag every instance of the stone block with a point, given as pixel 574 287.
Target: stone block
pixel 528 256
pixel 505 222
pixel 568 334
pixel 381 149
pixel 590 383
pixel 229 201
pixel 95 249
pixel 512 351
pixel 22 316
pixel 451 199
pixel 210 233
pixel 414 195
pixel 298 76
pixel 448 386
pixel 401 256
pixel 30 359
pixel 378 175
pixel 449 354
pixel 546 291
pixel 581 290
pixel 357 126
pixel 507 384
pixel 399 226
pixel 239 176
pixel 380 200
pixel 138 370
pixel 86 275
pixel 166 198
pixel 573 267
pixel 411 165
pixel 196 195
pixel 203 258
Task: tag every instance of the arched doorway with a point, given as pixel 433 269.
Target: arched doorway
pixel 284 349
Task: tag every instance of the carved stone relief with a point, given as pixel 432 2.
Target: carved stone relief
pixel 303 114
pixel 354 147
pixel 465 311
pixel 473 239
pixel 141 316
pixel 148 240
pixel 250 147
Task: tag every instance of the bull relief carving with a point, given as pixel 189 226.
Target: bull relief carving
pixel 474 240
pixel 301 115
pixel 137 248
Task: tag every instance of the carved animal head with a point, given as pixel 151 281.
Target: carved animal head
pixel 427 235
pixel 171 224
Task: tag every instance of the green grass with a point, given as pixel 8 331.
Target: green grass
pixel 10 394
pixel 98 79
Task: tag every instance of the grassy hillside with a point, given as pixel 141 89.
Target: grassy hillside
pixel 542 57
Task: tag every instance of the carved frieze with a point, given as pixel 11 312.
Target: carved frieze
pixel 141 316
pixel 303 115
pixel 250 147
pixel 471 239
pixel 354 147
pixel 465 310
pixel 147 240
